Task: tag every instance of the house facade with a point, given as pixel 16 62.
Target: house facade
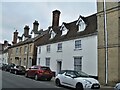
pixel 23 51
pixel 70 46
pixel 109 70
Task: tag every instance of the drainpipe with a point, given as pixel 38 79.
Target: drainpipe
pixel 106 44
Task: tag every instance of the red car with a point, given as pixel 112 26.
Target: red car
pixel 39 72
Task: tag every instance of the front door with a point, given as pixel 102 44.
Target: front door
pixel 59 65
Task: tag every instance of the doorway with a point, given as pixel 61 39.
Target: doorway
pixel 59 66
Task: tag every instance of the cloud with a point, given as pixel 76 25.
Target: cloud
pixel 15 15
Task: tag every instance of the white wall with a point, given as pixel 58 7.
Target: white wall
pixel 88 53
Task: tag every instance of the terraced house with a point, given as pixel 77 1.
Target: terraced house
pixel 71 45
pixel 23 52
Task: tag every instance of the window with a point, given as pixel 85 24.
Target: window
pixel 38 61
pixel 81 24
pixel 39 50
pixel 48 48
pixel 77 63
pixel 20 50
pixel 64 30
pixel 25 49
pixel 59 48
pixel 48 62
pixel 24 62
pixel 16 50
pixel 52 34
pixel 30 48
pixel 78 44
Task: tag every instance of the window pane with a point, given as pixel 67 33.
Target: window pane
pixel 78 44
pixel 47 62
pixel 78 63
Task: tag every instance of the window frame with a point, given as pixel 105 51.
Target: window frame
pixel 76 64
pixel 78 45
pixel 47 62
pixel 59 47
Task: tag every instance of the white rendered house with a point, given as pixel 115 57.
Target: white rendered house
pixel 73 48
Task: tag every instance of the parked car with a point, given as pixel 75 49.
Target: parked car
pixel 75 79
pixel 39 72
pixel 9 66
pixel 18 70
pixel 117 86
pixel 4 67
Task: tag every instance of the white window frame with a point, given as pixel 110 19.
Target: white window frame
pixel 78 45
pixel 52 34
pixel 47 62
pixel 82 25
pixel 78 63
pixel 48 48
pixel 64 30
pixel 59 47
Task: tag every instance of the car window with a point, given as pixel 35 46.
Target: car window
pixel 61 72
pixel 45 68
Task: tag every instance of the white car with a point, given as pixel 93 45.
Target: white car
pixel 117 86
pixel 74 79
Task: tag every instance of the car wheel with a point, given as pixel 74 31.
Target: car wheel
pixel 57 82
pixel 15 72
pixel 79 86
pixel 10 71
pixel 36 77
pixel 48 79
pixel 26 75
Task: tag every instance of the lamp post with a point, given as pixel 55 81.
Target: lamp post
pixel 106 43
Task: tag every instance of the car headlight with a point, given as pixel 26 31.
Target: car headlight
pixel 87 81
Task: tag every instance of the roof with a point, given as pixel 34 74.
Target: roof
pixel 29 40
pixel 91 29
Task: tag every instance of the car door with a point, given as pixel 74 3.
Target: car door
pixel 31 71
pixel 68 79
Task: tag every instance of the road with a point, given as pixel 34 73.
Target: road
pixel 10 80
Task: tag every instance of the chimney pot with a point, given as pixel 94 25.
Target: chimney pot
pixel 56 15
pixel 35 26
pixel 15 37
pixel 26 31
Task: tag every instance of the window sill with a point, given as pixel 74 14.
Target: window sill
pixel 77 49
pixel 59 50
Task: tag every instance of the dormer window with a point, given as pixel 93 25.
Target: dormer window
pixel 64 30
pixel 81 24
pixel 52 34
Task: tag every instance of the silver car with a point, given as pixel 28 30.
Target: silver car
pixel 75 79
pixel 117 86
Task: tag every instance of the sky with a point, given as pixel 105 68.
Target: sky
pixel 15 14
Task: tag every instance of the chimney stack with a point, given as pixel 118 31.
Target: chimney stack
pixel 26 31
pixel 15 37
pixel 35 26
pixel 56 15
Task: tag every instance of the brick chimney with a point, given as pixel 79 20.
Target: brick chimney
pixel 55 21
pixel 15 37
pixel 26 31
pixel 35 26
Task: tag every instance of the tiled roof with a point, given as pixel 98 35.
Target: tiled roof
pixel 91 29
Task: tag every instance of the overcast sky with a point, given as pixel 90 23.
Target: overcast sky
pixel 15 15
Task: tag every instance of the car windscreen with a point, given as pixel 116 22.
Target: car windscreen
pixel 81 74
pixel 45 68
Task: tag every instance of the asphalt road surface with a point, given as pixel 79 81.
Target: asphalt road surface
pixel 10 80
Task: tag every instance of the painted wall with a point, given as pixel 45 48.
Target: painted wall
pixel 88 52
